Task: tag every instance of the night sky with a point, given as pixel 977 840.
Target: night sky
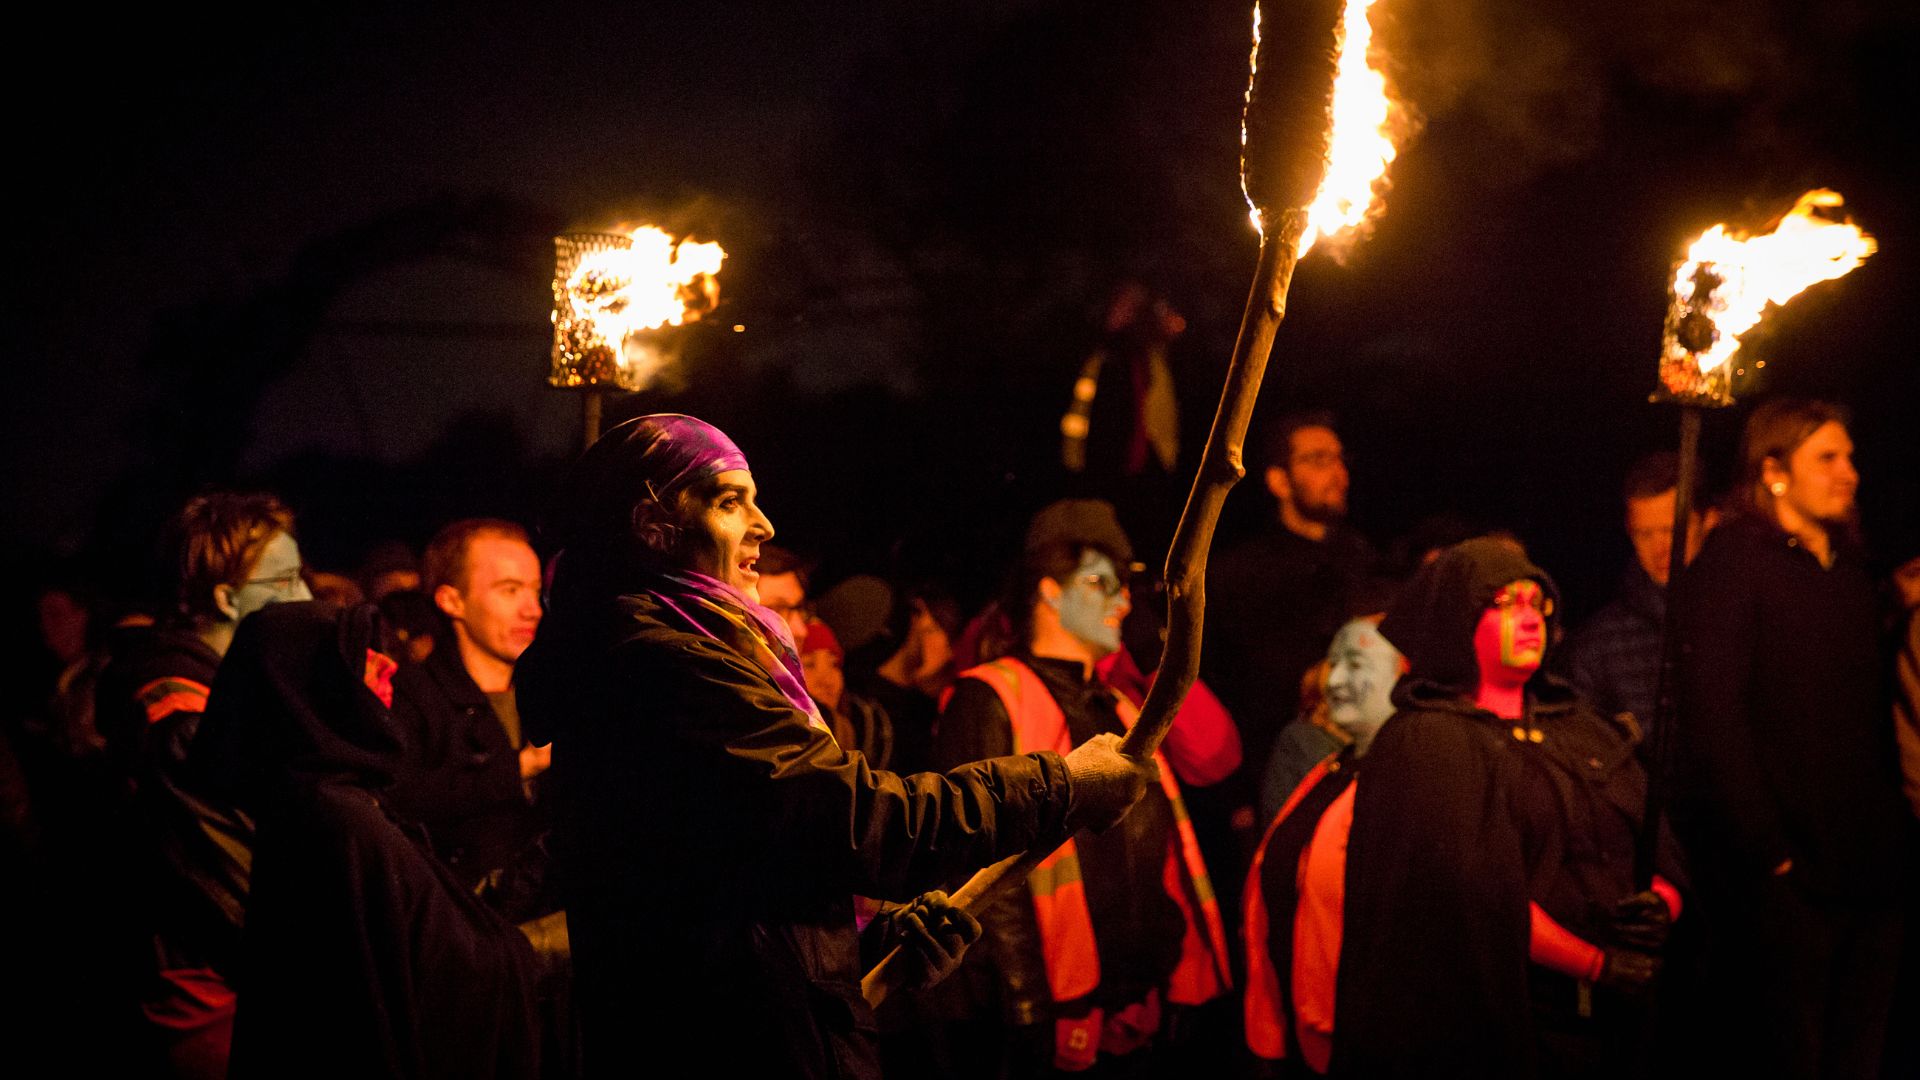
pixel 311 252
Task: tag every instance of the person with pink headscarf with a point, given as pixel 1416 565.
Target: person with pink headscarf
pixel 710 834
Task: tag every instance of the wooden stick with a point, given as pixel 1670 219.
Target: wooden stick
pixel 1186 571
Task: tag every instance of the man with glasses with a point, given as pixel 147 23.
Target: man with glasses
pixel 229 555
pixel 1276 599
pixel 1118 934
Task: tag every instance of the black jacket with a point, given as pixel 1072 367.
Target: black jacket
pixel 1785 733
pixel 461 777
pixel 710 842
pixel 194 846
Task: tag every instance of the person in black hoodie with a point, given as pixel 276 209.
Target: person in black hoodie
pixel 1493 791
pixel 362 954
pixel 1789 793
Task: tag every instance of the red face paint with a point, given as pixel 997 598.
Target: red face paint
pixel 1511 638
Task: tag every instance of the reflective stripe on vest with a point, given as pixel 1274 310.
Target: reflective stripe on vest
pixel 1059 894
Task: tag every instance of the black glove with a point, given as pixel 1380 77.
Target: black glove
pixel 1640 922
pixel 1628 970
pixel 934 935
pixel 1106 783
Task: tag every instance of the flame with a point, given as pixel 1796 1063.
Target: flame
pixel 1362 144
pixel 1744 274
pixel 619 294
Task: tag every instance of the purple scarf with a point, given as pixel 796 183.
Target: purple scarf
pixel 715 609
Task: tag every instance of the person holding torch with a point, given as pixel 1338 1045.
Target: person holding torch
pixel 710 835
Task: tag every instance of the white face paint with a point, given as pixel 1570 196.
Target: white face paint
pixel 1362 669
pixel 275 579
pixel 1094 602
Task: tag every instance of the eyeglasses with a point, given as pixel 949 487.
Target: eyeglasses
pixel 1507 599
pixel 1320 459
pixel 1105 584
pixel 279 582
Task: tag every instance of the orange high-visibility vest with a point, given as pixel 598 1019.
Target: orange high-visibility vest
pixel 1059 894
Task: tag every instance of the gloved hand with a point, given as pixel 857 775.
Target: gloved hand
pixel 934 935
pixel 1641 922
pixel 1106 783
pixel 1628 970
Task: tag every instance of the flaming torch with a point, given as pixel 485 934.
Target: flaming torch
pixel 615 295
pixel 1314 151
pixel 1720 291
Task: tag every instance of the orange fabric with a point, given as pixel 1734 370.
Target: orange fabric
pixel 1059 895
pixel 1318 923
pixel 170 694
pixel 379 676
pixel 1668 893
pixel 1262 1002
pixel 1066 931
pixel 1557 948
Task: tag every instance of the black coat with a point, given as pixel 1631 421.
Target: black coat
pixel 710 842
pixel 362 955
pixel 1786 730
pixel 461 776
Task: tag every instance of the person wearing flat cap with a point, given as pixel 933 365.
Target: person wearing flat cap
pixel 1117 937
pixel 709 833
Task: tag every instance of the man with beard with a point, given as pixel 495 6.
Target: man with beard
pixel 1277 599
pixel 1789 797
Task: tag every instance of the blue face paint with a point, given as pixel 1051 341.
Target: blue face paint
pixel 1362 668
pixel 1093 602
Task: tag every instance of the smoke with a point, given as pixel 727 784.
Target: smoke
pixel 1543 81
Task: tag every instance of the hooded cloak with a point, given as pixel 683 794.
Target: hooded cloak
pixel 361 956
pixel 1460 820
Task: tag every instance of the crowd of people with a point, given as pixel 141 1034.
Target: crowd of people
pixel 635 792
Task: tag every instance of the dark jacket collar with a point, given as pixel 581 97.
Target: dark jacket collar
pixel 449 673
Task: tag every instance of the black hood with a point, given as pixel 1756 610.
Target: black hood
pixel 291 705
pixel 1433 621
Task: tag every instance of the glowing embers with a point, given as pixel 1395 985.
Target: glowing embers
pixel 614 297
pixel 1723 287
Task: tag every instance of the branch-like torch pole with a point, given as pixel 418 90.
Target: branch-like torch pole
pixel 1666 709
pixel 1286 130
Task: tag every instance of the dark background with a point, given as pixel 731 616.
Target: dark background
pixel 311 251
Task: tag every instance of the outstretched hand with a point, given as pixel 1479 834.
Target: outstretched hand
pixel 1106 783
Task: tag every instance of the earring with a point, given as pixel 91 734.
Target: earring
pixel 1778 487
